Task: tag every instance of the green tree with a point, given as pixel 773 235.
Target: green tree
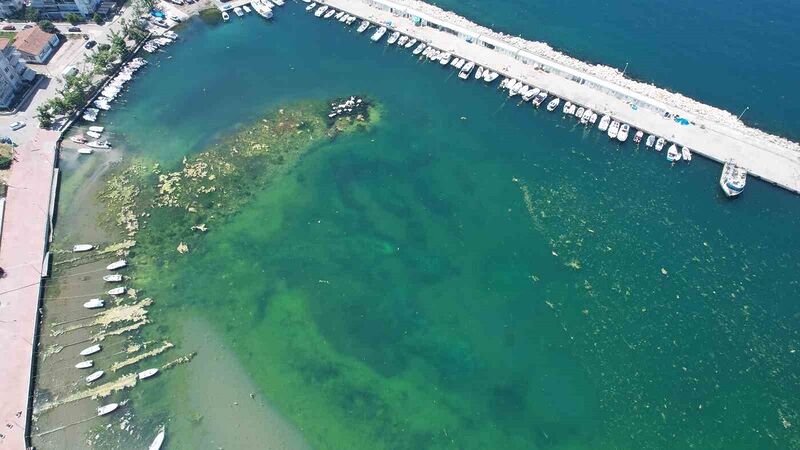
pixel 97 18
pixel 118 46
pixel 73 18
pixel 31 14
pixel 47 26
pixel 45 116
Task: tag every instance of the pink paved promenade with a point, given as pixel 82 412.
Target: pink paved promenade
pixel 22 248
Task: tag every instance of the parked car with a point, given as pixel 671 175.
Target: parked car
pixel 17 125
pixel 9 28
pixel 86 37
pixel 74 29
pixel 26 26
pixel 90 44
pixel 6 140
pixel 175 19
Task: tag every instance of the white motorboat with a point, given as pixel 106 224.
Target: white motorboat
pixel 411 42
pixel 314 5
pixel 420 48
pixel 350 20
pixel 445 58
pixel 479 72
pixel 90 350
pixel 593 119
pixel 107 409
pixel 246 9
pixel 112 278
pixel 686 153
pixel 321 10
pixel 613 129
pixel 673 154
pixel 94 376
pixel 82 247
pixel 278 2
pixel 622 135
pixel 378 34
pixel 159 440
pixel 579 112
pixel 362 27
pixel 489 76
pixel 393 38
pixel 329 13
pixel 514 87
pixel 733 178
pixel 238 11
pixel 90 114
pixel 145 374
pixel 460 63
pixel 527 93
pixel 342 18
pixel 94 304
pixel 402 41
pixel 540 98
pixel 566 107
pixel 99 144
pixel 434 54
pixel 651 140
pixel 466 70
pixel 93 134
pixel 455 61
pixel 84 364
pixel 586 115
pixel 79 139
pixel 637 138
pixel 553 104
pixel 225 16
pixel 338 15
pixel 117 290
pixel 426 51
pixel 604 122
pixel 660 144
pixel 97 129
pixel 117 265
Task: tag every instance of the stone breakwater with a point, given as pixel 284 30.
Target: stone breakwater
pixel 676 100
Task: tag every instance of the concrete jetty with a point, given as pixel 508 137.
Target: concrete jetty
pixel 26 228
pixel 713 133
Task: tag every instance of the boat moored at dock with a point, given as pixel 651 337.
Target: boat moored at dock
pixel 362 27
pixel 733 178
pixel 321 10
pixel 686 153
pixel 553 104
pixel 613 129
pixel 466 70
pixel 673 155
pixel 82 248
pixel 660 143
pixel 604 123
pixel 637 138
pixel 651 140
pixel 378 34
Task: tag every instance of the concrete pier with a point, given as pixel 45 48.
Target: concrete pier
pixel 716 136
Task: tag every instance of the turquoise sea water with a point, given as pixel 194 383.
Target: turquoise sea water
pixel 469 273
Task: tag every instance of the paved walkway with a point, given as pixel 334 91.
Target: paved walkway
pixel 25 228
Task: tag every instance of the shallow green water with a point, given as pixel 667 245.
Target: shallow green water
pixel 469 274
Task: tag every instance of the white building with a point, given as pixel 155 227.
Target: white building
pixel 58 9
pixel 9 7
pixel 13 73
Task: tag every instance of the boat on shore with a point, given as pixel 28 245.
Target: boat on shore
pixel 673 154
pixel 112 278
pixel 466 70
pixel 613 129
pixel 107 409
pixel 94 304
pixel 97 129
pixel 159 440
pixel 660 143
pixel 604 123
pixel 686 153
pixel 78 139
pixel 624 129
pixel 117 265
pixel 84 364
pixel 82 247
pixel 553 104
pixel 117 290
pixel 378 34
pixel 145 374
pixel 362 27
pixel 733 178
pixel 94 376
pixel 651 140
pixel 90 350
pixel 393 38
pixel 99 144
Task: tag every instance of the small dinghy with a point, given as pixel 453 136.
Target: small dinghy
pixel 673 154
pixel 638 136
pixel 94 304
pixel 660 143
pixel 686 153
pixel 117 265
pixel 159 440
pixel 225 16
pixel 82 247
pixel 99 144
pixel 113 278
pixel 94 376
pixel 107 409
pixel 84 364
pixel 85 151
pixel 117 290
pixel 650 141
pixel 93 134
pixel 312 6
pixel 90 350
pixel 145 374
pixel 553 104
pixel 97 129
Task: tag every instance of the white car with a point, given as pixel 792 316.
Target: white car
pixel 17 125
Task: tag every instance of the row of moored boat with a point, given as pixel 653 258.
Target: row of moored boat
pixel 264 8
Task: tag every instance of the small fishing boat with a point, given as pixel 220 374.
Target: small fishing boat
pixel 94 376
pixel 99 144
pixel 673 154
pixel 238 11
pixel 479 72
pixel 489 76
pixel 613 129
pixel 445 58
pixel 314 5
pixel 159 440
pixel 579 112
pixel 586 115
pixel 94 304
pixel 686 153
pixel 637 138
pixel 84 364
pixel 622 135
pixel 117 265
pixel 82 247
pixel 378 34
pixel 362 27
pixel 329 13
pixel 350 20
pixel 143 375
pixel 455 61
pixel 733 178
pixel 112 278
pixel 321 10
pixel 593 119
pixel 90 350
pixel 246 9
pixel 225 16
pixel 402 41
pixel 79 139
pixel 553 104
pixel 420 48
pixel 411 42
pixel 338 15
pixel 117 290
pixel 93 134
pixel 434 54
pixel 514 87
pixel 527 93
pixel 466 70
pixel 107 409
pixel 660 144
pixel 604 122
pixel 651 140
pixel 97 129
pixel 540 98
pixel 460 63
pixel 393 38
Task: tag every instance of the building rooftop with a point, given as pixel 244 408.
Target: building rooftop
pixel 4 42
pixel 32 40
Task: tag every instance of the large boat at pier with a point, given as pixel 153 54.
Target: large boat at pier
pixel 604 122
pixel 673 154
pixel 733 178
pixel 613 129
pixel 378 34
pixel 466 70
pixel 363 26
pixel 321 10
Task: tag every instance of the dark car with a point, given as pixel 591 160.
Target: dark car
pixel 90 44
pixel 74 29
pixel 9 27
